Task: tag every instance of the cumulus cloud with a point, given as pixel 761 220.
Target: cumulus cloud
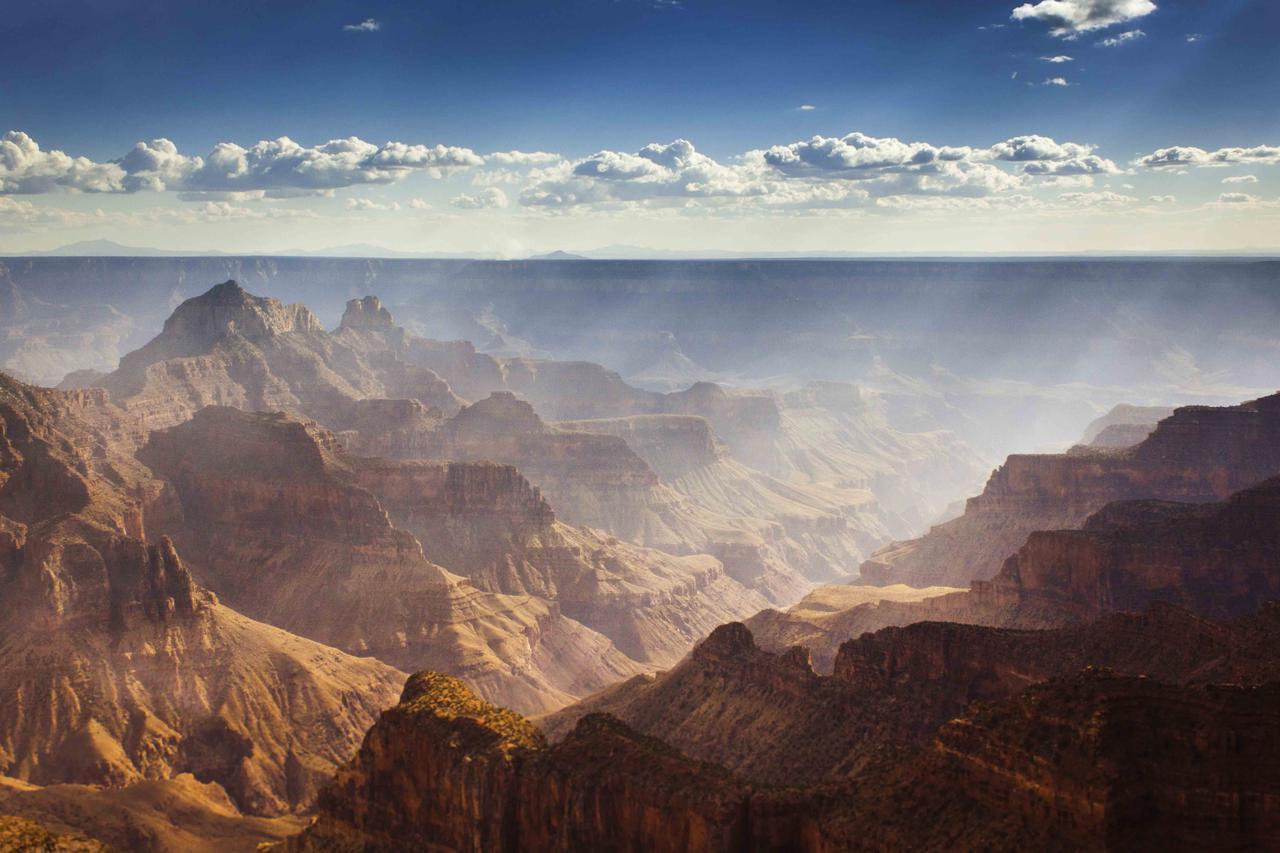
pixel 21 215
pixel 1163 199
pixel 1058 60
pixel 1069 18
pixel 1192 38
pixel 278 168
pixel 804 108
pixel 368 25
pixel 419 204
pixel 1241 179
pixel 1237 198
pixel 1187 155
pixel 1121 38
pixel 488 198
pixel 25 168
pixel 1055 81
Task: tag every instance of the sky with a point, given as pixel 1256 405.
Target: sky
pixel 512 128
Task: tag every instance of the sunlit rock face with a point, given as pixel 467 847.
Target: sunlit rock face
pixel 1198 454
pixel 117 666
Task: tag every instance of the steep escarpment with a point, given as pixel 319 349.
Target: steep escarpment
pixel 1198 454
pixel 1093 759
pixel 272 514
pixel 485 522
pixel 1220 560
pixel 1124 425
pixel 116 665
pixel 770 718
pixel 468 776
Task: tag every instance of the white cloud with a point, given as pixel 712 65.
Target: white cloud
pixel 1055 81
pixel 1237 198
pixel 1187 155
pixel 1104 198
pixel 1163 199
pixel 419 204
pixel 1121 38
pixel 368 25
pixel 805 108
pixel 1192 38
pixel 27 169
pixel 368 204
pixel 523 158
pixel 1241 179
pixel 487 199
pixel 1058 60
pixel 21 215
pixel 1071 17
pixel 278 168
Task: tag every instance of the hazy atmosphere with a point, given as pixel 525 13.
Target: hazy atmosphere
pixel 640 425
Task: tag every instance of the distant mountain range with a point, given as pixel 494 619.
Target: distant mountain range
pixel 112 249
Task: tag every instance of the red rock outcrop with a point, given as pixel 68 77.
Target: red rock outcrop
pixel 276 519
pixel 1198 454
pixel 115 666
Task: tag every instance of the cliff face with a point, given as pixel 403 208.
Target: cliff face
pixel 769 718
pixel 115 665
pixel 471 777
pixel 1198 454
pixel 1220 560
pixel 277 520
pixel 1092 761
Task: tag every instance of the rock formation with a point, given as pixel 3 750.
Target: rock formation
pixel 1124 425
pixel 1097 759
pixel 1220 560
pixel 1198 454
pixel 116 666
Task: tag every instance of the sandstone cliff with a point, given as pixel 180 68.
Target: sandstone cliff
pixel 276 518
pixel 1198 454
pixel 116 665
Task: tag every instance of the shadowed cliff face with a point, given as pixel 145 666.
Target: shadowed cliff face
pixel 1094 760
pixel 1198 454
pixel 115 665
pixel 1220 560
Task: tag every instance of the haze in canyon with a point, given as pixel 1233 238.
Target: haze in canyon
pixel 659 425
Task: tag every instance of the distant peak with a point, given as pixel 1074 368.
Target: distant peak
pixel 228 309
pixel 502 411
pixel 366 313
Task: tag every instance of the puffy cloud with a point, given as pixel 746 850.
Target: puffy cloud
pixel 27 169
pixel 1192 38
pixel 279 168
pixel 487 199
pixel 1163 199
pixel 805 108
pixel 1069 18
pixel 857 155
pixel 1237 198
pixel 368 25
pixel 1186 155
pixel 1090 164
pixel 1057 60
pixel 1241 179
pixel 1022 149
pixel 1121 38
pixel 1055 81
pixel 419 204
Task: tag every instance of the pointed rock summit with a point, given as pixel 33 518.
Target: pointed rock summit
pixel 367 313
pixel 227 310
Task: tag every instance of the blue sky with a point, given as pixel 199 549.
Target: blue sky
pixel 586 77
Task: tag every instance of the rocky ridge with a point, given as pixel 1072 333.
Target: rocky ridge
pixel 1199 454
